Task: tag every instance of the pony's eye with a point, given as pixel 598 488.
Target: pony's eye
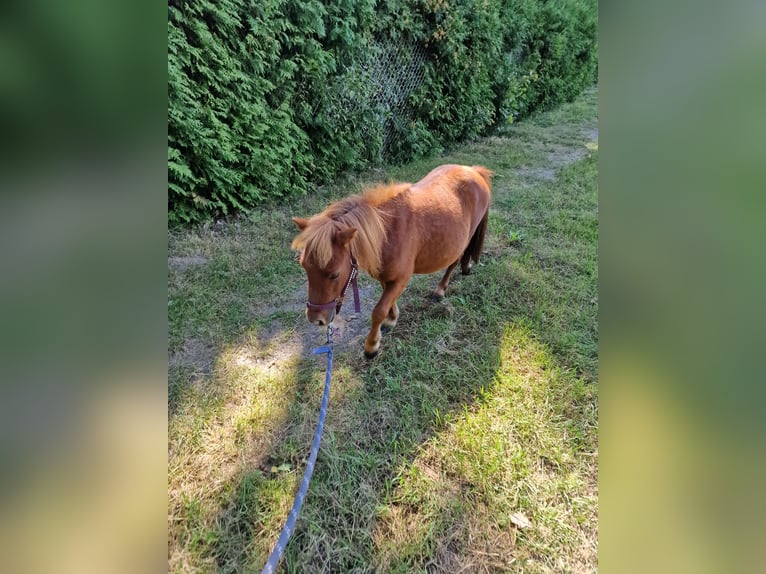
pixel 333 276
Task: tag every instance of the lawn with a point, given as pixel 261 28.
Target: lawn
pixel 468 445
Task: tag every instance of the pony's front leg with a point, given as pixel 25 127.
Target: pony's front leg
pixel 393 316
pixel 382 312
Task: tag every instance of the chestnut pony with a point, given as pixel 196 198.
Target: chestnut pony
pixel 394 231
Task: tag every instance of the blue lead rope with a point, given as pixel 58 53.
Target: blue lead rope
pixel 287 530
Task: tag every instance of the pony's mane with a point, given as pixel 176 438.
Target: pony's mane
pixel 358 212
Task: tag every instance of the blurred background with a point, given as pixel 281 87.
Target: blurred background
pixel 683 160
pixel 83 286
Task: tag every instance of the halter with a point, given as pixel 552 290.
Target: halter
pixel 338 301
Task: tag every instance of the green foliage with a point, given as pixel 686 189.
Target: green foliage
pixel 267 98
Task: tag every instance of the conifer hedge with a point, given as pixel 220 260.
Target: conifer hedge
pixel 260 92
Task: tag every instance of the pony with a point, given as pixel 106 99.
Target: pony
pixel 393 231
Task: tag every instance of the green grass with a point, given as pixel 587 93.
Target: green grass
pixel 478 409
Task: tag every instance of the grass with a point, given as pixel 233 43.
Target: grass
pixel 479 412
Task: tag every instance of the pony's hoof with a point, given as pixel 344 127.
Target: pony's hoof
pixel 467 271
pixel 435 297
pixel 370 356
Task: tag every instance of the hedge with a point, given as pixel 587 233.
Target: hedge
pixel 267 98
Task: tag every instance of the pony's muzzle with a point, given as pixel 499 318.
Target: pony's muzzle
pixel 320 318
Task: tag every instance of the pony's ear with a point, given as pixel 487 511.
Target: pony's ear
pixel 301 222
pixel 344 236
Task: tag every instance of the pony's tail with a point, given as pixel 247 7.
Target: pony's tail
pixel 486 174
pixel 473 251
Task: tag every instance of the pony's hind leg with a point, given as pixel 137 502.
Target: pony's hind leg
pixel 382 311
pixel 475 245
pixel 442 287
pixel 465 265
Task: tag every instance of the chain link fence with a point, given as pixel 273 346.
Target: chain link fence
pixel 373 93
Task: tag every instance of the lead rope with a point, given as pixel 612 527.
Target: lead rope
pixel 287 530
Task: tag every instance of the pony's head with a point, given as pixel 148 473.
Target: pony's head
pixel 328 240
pixel 326 257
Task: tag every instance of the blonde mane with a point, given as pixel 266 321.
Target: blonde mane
pixel 358 212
